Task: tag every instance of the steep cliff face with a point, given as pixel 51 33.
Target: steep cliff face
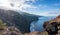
pixel 52 26
pixel 20 20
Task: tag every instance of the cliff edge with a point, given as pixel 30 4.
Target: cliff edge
pixel 53 26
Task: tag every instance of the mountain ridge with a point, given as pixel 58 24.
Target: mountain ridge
pixel 21 21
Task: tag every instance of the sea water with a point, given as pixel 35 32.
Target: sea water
pixel 37 26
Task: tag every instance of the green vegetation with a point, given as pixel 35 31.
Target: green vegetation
pixel 2 25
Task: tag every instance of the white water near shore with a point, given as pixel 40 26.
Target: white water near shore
pixel 38 25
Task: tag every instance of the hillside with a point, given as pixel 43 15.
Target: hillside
pixel 21 20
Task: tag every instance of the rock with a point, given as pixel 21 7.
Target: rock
pixel 37 33
pixel 52 26
pixel 11 31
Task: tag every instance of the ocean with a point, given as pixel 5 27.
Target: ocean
pixel 37 26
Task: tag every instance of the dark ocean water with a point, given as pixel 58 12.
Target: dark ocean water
pixel 38 25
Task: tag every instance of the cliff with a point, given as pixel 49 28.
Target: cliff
pixel 21 20
pixel 53 26
pixel 12 30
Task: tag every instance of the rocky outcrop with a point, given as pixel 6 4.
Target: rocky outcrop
pixel 20 19
pixel 12 30
pixel 52 26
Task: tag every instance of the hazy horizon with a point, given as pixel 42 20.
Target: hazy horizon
pixel 37 7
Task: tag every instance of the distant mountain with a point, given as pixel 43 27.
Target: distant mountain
pixel 21 20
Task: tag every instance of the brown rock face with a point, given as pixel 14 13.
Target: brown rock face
pixel 52 26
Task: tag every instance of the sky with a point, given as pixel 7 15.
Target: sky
pixel 37 7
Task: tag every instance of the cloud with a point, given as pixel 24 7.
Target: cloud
pixel 54 12
pixel 57 4
pixel 32 1
pixel 23 6
pixel 19 4
pixel 16 4
pixel 4 3
pixel 42 6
